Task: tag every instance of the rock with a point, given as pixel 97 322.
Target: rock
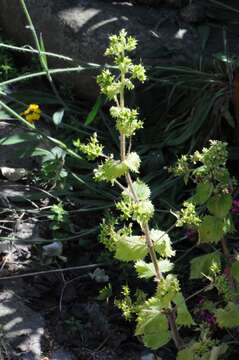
pixel 222 11
pixel 52 250
pixel 10 154
pixel 21 327
pixel 193 13
pixel 5 246
pixel 83 28
pixel 13 174
pixel 99 275
pixel 62 355
pixel 10 192
pixel 26 230
pixel 147 356
pixel 102 355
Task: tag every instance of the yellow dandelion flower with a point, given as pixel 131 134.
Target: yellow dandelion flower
pixel 33 113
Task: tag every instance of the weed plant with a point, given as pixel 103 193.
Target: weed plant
pixel 132 233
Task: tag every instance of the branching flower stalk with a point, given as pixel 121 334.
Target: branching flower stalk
pixel 159 317
pixel 145 226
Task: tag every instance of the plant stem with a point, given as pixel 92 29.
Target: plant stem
pixel 225 250
pixel 30 50
pixel 42 73
pixel 145 228
pixel 226 253
pixel 170 314
pixel 174 330
pixel 146 231
pixel 152 253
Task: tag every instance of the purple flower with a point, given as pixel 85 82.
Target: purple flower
pixel 226 272
pixel 208 317
pixel 191 234
pixel 235 208
pixel 200 300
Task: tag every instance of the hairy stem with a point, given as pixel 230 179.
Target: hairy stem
pixel 152 253
pixel 146 230
pixel 174 330
pixel 226 253
pixel 225 249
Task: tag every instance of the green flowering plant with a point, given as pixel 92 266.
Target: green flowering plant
pixel 129 235
pixel 208 212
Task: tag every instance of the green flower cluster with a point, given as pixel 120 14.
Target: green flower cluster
pixel 118 47
pixel 168 287
pixel 214 160
pixel 92 150
pixel 130 305
pixel 107 233
pixel 127 121
pixel 141 211
pixel 121 43
pixel 126 304
pixel 223 287
pixel 188 215
pixel 181 168
pixel 211 166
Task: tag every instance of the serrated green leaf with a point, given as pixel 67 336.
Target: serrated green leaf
pixel 117 169
pixel 133 162
pixel 144 270
pixel 218 351
pixel 191 351
pixel 110 170
pixel 149 316
pixel 184 317
pixel 141 190
pixel 211 229
pixel 165 266
pixel 185 354
pixel 220 205
pixel 147 270
pixel 201 264
pixel 229 316
pixel 131 248
pixel 203 192
pixel 162 243
pixel 156 341
pixel 153 325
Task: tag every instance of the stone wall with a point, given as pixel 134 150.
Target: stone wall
pixel 80 29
